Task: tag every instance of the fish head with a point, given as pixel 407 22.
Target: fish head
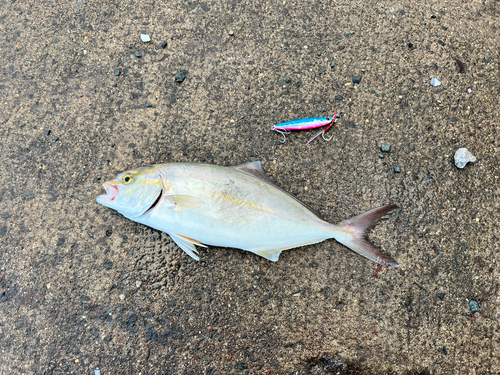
pixel 133 193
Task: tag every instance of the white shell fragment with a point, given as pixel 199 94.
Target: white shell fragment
pixel 145 38
pixel 435 82
pixel 463 156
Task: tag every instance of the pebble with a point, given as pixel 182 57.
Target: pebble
pixel 396 169
pixel 473 306
pixel 163 45
pixel 47 132
pixel 231 32
pixel 410 45
pixel 435 82
pixel 56 138
pixel 288 80
pixel 381 156
pixel 242 366
pixel 138 284
pixel 179 77
pixel 138 54
pixel 97 372
pixel 441 296
pixel 117 72
pixel 115 84
pixel 469 91
pixel 149 105
pixel 463 156
pixel 145 38
pixel 332 65
pixel 356 79
pixel 385 147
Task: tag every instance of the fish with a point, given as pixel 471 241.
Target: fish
pixel 200 205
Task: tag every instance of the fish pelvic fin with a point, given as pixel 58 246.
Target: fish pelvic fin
pixel 351 233
pixel 187 244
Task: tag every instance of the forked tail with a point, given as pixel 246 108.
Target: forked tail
pixel 351 233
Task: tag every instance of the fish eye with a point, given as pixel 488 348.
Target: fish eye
pixel 127 179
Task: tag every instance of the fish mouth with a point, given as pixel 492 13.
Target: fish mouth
pixel 111 190
pixel 154 203
pixel 111 193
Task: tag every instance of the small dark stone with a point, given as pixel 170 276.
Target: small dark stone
pixel 332 64
pixel 443 350
pixel 156 286
pixel 410 45
pixel 149 105
pixel 117 72
pixel 453 119
pixel 242 366
pixel 396 169
pixel 85 298
pixel 137 54
pixel 179 77
pixel 48 132
pixel 385 147
pixel 473 306
pixel 441 296
pixel 163 45
pixel 381 156
pixel 314 265
pixel 131 145
pixel 339 98
pixel 132 319
pixel 433 16
pixel 288 80
pixel 441 42
pixel 61 241
pixel 109 232
pixel 356 79
pixel 115 85
pixel 56 138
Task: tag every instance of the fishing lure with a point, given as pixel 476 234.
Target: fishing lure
pixel 302 124
pixel 323 131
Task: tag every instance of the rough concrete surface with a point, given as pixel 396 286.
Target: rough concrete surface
pixel 84 289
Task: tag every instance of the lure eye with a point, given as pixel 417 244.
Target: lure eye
pixel 127 179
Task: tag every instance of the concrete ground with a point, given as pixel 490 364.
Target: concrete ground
pixel 84 289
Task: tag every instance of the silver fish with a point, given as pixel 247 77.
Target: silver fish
pixel 238 207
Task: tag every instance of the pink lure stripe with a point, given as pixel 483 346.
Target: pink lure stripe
pixel 302 124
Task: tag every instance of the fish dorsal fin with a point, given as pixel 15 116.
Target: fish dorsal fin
pixel 254 169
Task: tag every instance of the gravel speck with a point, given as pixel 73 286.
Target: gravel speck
pixel 138 54
pixel 356 79
pixel 163 45
pixel 473 306
pixel 145 38
pixel 117 72
pixel 181 76
pixel 332 64
pixel 396 169
pixel 385 147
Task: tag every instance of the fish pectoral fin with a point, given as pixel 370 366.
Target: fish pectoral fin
pixel 187 244
pixel 183 202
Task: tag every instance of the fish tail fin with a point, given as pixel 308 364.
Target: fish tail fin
pixel 351 233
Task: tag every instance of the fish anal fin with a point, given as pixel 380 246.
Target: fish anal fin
pixel 270 254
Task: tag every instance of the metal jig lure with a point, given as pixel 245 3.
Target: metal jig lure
pixel 302 124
